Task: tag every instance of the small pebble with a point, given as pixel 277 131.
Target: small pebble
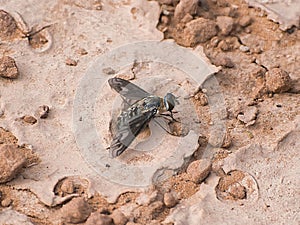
pixel 71 62
pixel 76 211
pixel 245 21
pixel 170 200
pixel 244 48
pixel 6 202
pixel 278 81
pixel 225 23
pixel 29 119
pixel 99 219
pixel 199 170
pixel 43 111
pixel 118 217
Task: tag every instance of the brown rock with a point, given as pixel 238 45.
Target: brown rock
pixel 170 200
pixel 224 61
pixel 8 25
pixel 6 202
pixel 67 186
pixel 185 7
pixel 12 161
pixel 8 68
pixel 225 23
pixel 29 119
pixel 99 219
pixel 198 31
pixel 76 211
pixel 118 217
pixel 81 51
pixel 278 81
pixel 71 62
pixel 199 170
pixel 245 21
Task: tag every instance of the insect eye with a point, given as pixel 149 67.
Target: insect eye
pixel 169 101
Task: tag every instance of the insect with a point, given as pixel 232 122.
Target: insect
pixel 136 117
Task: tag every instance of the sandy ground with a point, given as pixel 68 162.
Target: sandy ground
pixel 233 157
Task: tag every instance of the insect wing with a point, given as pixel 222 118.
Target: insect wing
pixel 127 89
pixel 128 131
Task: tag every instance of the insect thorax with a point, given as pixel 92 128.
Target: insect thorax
pixel 146 104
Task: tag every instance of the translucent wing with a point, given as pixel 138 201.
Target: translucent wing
pixel 127 131
pixel 127 89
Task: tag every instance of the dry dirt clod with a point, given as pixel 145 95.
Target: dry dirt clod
pixel 225 23
pixel 118 217
pixel 245 21
pixel 248 115
pixel 6 202
pixel 224 61
pixel 8 26
pixel 43 111
pixel 71 62
pixel 185 7
pixel 12 161
pixel 76 211
pixel 201 98
pixel 99 219
pixel 232 186
pixel 278 81
pixel 67 186
pixel 8 68
pixel 170 200
pixel 198 31
pixel 146 198
pixel 199 170
pixel 29 119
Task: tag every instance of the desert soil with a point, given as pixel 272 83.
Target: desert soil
pixel 248 176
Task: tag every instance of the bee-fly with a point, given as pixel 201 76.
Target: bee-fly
pixel 135 118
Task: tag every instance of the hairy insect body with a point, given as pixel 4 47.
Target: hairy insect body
pixel 136 117
pixel 146 104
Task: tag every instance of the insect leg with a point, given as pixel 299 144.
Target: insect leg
pixel 169 115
